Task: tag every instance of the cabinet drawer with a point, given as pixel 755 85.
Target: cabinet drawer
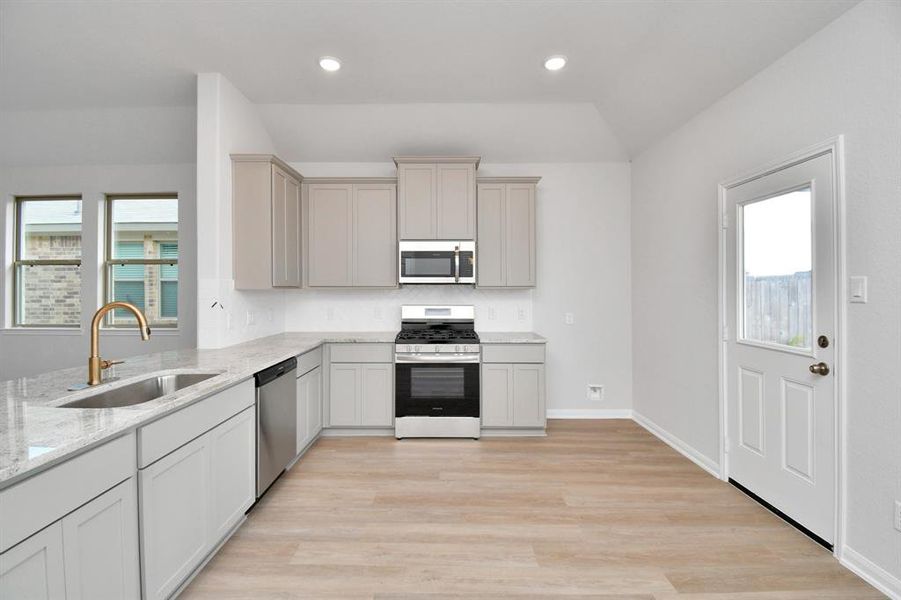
pixel 165 435
pixel 513 353
pixel 361 353
pixel 36 502
pixel 308 361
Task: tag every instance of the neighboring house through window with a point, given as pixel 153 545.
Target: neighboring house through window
pixel 142 257
pixel 47 267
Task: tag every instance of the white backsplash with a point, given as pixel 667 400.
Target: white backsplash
pixel 379 310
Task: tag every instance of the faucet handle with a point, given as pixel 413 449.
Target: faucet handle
pixel 106 364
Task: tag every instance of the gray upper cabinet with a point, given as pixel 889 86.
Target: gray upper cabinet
pixel 266 222
pixel 329 209
pixel 506 232
pixel 436 197
pixel 351 233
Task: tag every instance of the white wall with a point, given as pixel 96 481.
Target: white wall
pixel 32 351
pixel 846 79
pixel 226 123
pixel 583 268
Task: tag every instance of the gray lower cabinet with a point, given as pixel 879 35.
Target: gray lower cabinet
pixel 361 395
pixel 513 386
pixel 351 234
pixel 34 568
pixel 506 232
pixel 309 407
pixel 192 498
pixel 90 554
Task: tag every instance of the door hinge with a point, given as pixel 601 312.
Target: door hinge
pixel 725 221
pixel 725 333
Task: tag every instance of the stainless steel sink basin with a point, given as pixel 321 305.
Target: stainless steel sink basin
pixel 139 391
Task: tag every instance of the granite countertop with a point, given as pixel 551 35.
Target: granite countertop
pixel 35 434
pixel 510 337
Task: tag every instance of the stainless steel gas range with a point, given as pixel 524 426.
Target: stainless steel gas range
pixel 437 373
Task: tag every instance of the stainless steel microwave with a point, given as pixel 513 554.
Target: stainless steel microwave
pixel 437 262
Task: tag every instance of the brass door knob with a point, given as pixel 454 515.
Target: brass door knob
pixel 820 368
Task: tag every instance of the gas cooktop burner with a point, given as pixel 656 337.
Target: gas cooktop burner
pixel 437 335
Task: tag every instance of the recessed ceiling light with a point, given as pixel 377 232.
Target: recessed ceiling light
pixel 329 63
pixel 555 63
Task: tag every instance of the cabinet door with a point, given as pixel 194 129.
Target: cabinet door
pixel 491 268
pixel 456 202
pixel 375 235
pixel 417 197
pixel 175 494
pixel 100 542
pixel 330 231
pixel 314 404
pixel 497 394
pixel 344 395
pixel 292 233
pixel 520 235
pixel 280 226
pixel 528 395
pixel 377 395
pixel 33 568
pixel 302 412
pixel 232 453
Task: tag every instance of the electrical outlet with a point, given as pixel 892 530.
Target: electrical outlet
pixel 251 318
pixel 492 313
pixel 898 515
pixel 569 318
pixel 521 313
pixel 329 314
pixel 595 392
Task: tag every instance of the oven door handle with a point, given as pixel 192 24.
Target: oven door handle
pixel 436 358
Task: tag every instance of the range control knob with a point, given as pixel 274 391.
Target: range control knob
pixel 415 348
pixel 437 348
pixel 458 349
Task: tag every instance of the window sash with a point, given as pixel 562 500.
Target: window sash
pixel 19 262
pixel 123 321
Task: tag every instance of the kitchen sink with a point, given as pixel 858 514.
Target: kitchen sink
pixel 139 391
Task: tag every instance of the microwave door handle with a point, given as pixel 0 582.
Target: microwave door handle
pixel 456 264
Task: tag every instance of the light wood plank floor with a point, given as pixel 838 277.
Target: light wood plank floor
pixel 598 509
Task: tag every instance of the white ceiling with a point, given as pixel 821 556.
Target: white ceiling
pixel 648 66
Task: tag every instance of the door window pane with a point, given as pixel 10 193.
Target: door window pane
pixel 776 256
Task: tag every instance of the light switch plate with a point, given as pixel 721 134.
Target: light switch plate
pixel 857 289
pixel 569 318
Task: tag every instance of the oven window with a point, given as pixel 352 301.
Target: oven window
pixel 437 382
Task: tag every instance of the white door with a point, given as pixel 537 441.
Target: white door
pixel 780 330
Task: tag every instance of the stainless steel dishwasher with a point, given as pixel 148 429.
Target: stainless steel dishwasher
pixel 276 421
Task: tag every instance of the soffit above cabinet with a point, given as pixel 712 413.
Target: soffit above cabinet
pixel 351 180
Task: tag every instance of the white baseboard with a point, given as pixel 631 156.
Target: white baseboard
pixel 589 413
pixel 873 574
pixel 678 445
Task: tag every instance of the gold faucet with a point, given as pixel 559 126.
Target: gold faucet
pixel 96 365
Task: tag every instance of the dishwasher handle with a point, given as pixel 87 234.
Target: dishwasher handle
pixel 274 372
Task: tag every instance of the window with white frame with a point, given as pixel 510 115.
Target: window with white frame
pixel 46 290
pixel 142 257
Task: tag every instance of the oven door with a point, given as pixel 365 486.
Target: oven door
pixel 436 389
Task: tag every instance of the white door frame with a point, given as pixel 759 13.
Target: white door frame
pixel 835 148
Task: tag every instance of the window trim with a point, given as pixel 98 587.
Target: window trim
pixel 18 262
pixel 109 262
